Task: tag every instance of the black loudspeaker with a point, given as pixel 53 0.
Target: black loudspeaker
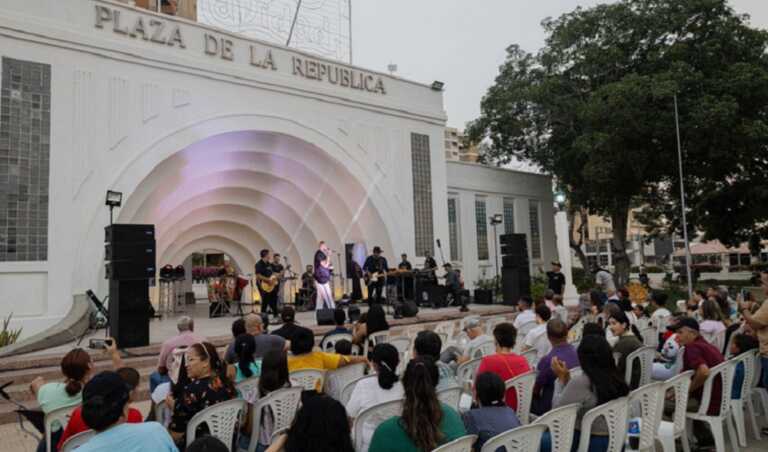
pixel 348 256
pixel 515 283
pixel 143 252
pixel 129 312
pixel 514 260
pixel 514 251
pixel 129 270
pixel 409 309
pixel 126 233
pixel 483 296
pixel 353 313
pixel 430 294
pixel 325 317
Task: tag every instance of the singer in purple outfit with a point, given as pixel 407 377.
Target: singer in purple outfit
pixel 322 275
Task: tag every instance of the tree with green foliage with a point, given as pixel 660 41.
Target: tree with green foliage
pixel 594 108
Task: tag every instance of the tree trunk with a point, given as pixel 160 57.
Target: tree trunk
pixel 581 232
pixel 619 246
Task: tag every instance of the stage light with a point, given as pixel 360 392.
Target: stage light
pixel 114 198
pixel 437 85
pixel 560 198
pixel 497 219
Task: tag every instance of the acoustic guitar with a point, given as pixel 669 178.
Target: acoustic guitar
pixel 268 285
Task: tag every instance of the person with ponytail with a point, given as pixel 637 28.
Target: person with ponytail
pixel 628 341
pixel 493 416
pixel 425 423
pixel 208 386
pixel 373 391
pixel 247 365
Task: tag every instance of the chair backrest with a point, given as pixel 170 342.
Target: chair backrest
pixel 59 417
pixel 650 337
pixel 375 339
pixel 575 333
pixel 329 342
pixel 748 359
pixel 525 328
pixel 643 323
pixel 648 400
pixel 222 420
pixel 532 356
pixel 491 323
pixel 75 441
pixel 465 373
pixel 374 416
pixel 679 384
pixel 249 389
pixel 561 423
pixel 450 396
pixel 716 339
pixel 337 380
pixel 523 385
pixel 483 348
pixel 283 405
pixel 401 343
pixel 677 367
pixel 346 392
pixel 308 379
pixel 444 339
pixel 448 328
pixel 642 357
pixel 724 372
pixel 615 415
pixel 463 444
pixel 526 438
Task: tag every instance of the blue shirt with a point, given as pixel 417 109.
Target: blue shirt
pixel 738 381
pixel 149 436
pixel 488 421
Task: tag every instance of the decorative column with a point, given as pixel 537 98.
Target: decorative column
pixel 570 294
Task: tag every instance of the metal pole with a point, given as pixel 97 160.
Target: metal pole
pixel 293 24
pixel 350 31
pixel 682 201
pixel 496 261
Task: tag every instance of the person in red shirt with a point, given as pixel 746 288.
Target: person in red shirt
pixel 76 424
pixel 505 363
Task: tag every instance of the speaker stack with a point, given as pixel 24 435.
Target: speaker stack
pixel 515 271
pixel 129 250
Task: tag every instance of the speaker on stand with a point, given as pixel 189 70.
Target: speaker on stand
pixel 515 270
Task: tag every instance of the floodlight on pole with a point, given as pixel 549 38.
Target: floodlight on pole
pixel 496 220
pixel 114 199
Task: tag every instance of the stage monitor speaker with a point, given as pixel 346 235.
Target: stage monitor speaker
pixel 126 233
pixel 515 283
pixel 129 312
pixel 129 270
pixel 348 258
pixel 325 317
pixel 130 251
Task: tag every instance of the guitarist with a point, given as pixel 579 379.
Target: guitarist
pixel 267 282
pixel 278 270
pixel 375 268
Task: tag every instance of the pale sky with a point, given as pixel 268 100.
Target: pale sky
pixel 462 42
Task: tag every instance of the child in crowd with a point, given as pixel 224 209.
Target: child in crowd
pixel 741 343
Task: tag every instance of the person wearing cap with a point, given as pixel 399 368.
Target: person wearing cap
pixel 289 328
pixel 105 410
pixel 556 279
pixel 375 265
pixel 700 356
pixel 454 356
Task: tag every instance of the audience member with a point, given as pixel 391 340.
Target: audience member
pixel 537 337
pixel 207 443
pixel 492 416
pixel 476 335
pixel 741 344
pixel 105 410
pixel 599 383
pixel 664 367
pixel 505 363
pixel 305 358
pixel 274 376
pixel 340 319
pixel 255 326
pixel 557 334
pixel 592 328
pixel 560 311
pixel 425 423
pixel 428 344
pixel 711 319
pixel 627 343
pixel 758 322
pixel 208 386
pixel 247 364
pixel 549 294
pixel 374 322
pixel 658 307
pixel 343 347
pixel 185 338
pixel 289 328
pixel 525 314
pixel 320 425
pixel 372 391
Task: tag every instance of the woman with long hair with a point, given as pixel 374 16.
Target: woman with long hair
pixel 628 341
pixel 320 425
pixel 374 322
pixel 373 391
pixel 492 416
pixel 274 376
pixel 600 383
pixel 247 365
pixel 425 423
pixel 208 385
pixel 712 318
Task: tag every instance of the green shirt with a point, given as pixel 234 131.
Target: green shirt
pixel 52 396
pixel 391 437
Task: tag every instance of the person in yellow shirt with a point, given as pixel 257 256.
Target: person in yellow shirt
pixel 304 357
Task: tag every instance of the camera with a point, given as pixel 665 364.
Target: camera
pixel 99 343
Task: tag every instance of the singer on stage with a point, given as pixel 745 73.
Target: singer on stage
pixel 322 275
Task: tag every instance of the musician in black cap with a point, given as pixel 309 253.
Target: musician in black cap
pixel 375 268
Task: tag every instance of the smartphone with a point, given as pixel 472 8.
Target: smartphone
pixel 99 343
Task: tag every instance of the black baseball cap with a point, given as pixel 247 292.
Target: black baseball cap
pixel 689 322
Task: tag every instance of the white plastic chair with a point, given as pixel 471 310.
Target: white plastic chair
pixel 401 343
pixel 747 359
pixel 483 348
pixel 759 393
pixel 465 373
pixel 643 323
pixel 375 338
pixel 648 400
pixel 58 417
pixel 328 343
pixel 717 339
pixel 561 423
pixel 222 420
pixel 448 328
pixel 615 414
pixel 309 379
pixel 532 356
pixel 491 322
pixel 526 438
pixel 75 441
pixel 669 431
pixel 525 328
pixel 283 405
pixel 450 396
pixel 249 389
pixel 642 357
pixel 346 392
pixel 523 385
pixel 373 417
pixel 650 337
pixel 725 372
pixel 463 444
pixel 337 380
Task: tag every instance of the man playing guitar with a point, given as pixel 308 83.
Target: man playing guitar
pixel 375 268
pixel 323 269
pixel 267 282
pixel 278 271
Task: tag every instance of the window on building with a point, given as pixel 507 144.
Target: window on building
pixel 533 211
pixel 592 261
pixel 453 229
pixel 733 259
pixel 422 193
pixel 481 223
pixel 591 247
pixel 603 260
pixel 509 216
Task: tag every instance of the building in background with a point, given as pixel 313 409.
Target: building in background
pixel 456 148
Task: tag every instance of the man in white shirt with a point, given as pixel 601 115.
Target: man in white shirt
pixel 455 356
pixel 537 337
pixel 659 303
pixel 604 279
pixel 525 314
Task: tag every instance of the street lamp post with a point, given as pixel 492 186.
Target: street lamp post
pixel 496 220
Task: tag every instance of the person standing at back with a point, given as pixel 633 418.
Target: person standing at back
pixel 556 279
pixel 759 322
